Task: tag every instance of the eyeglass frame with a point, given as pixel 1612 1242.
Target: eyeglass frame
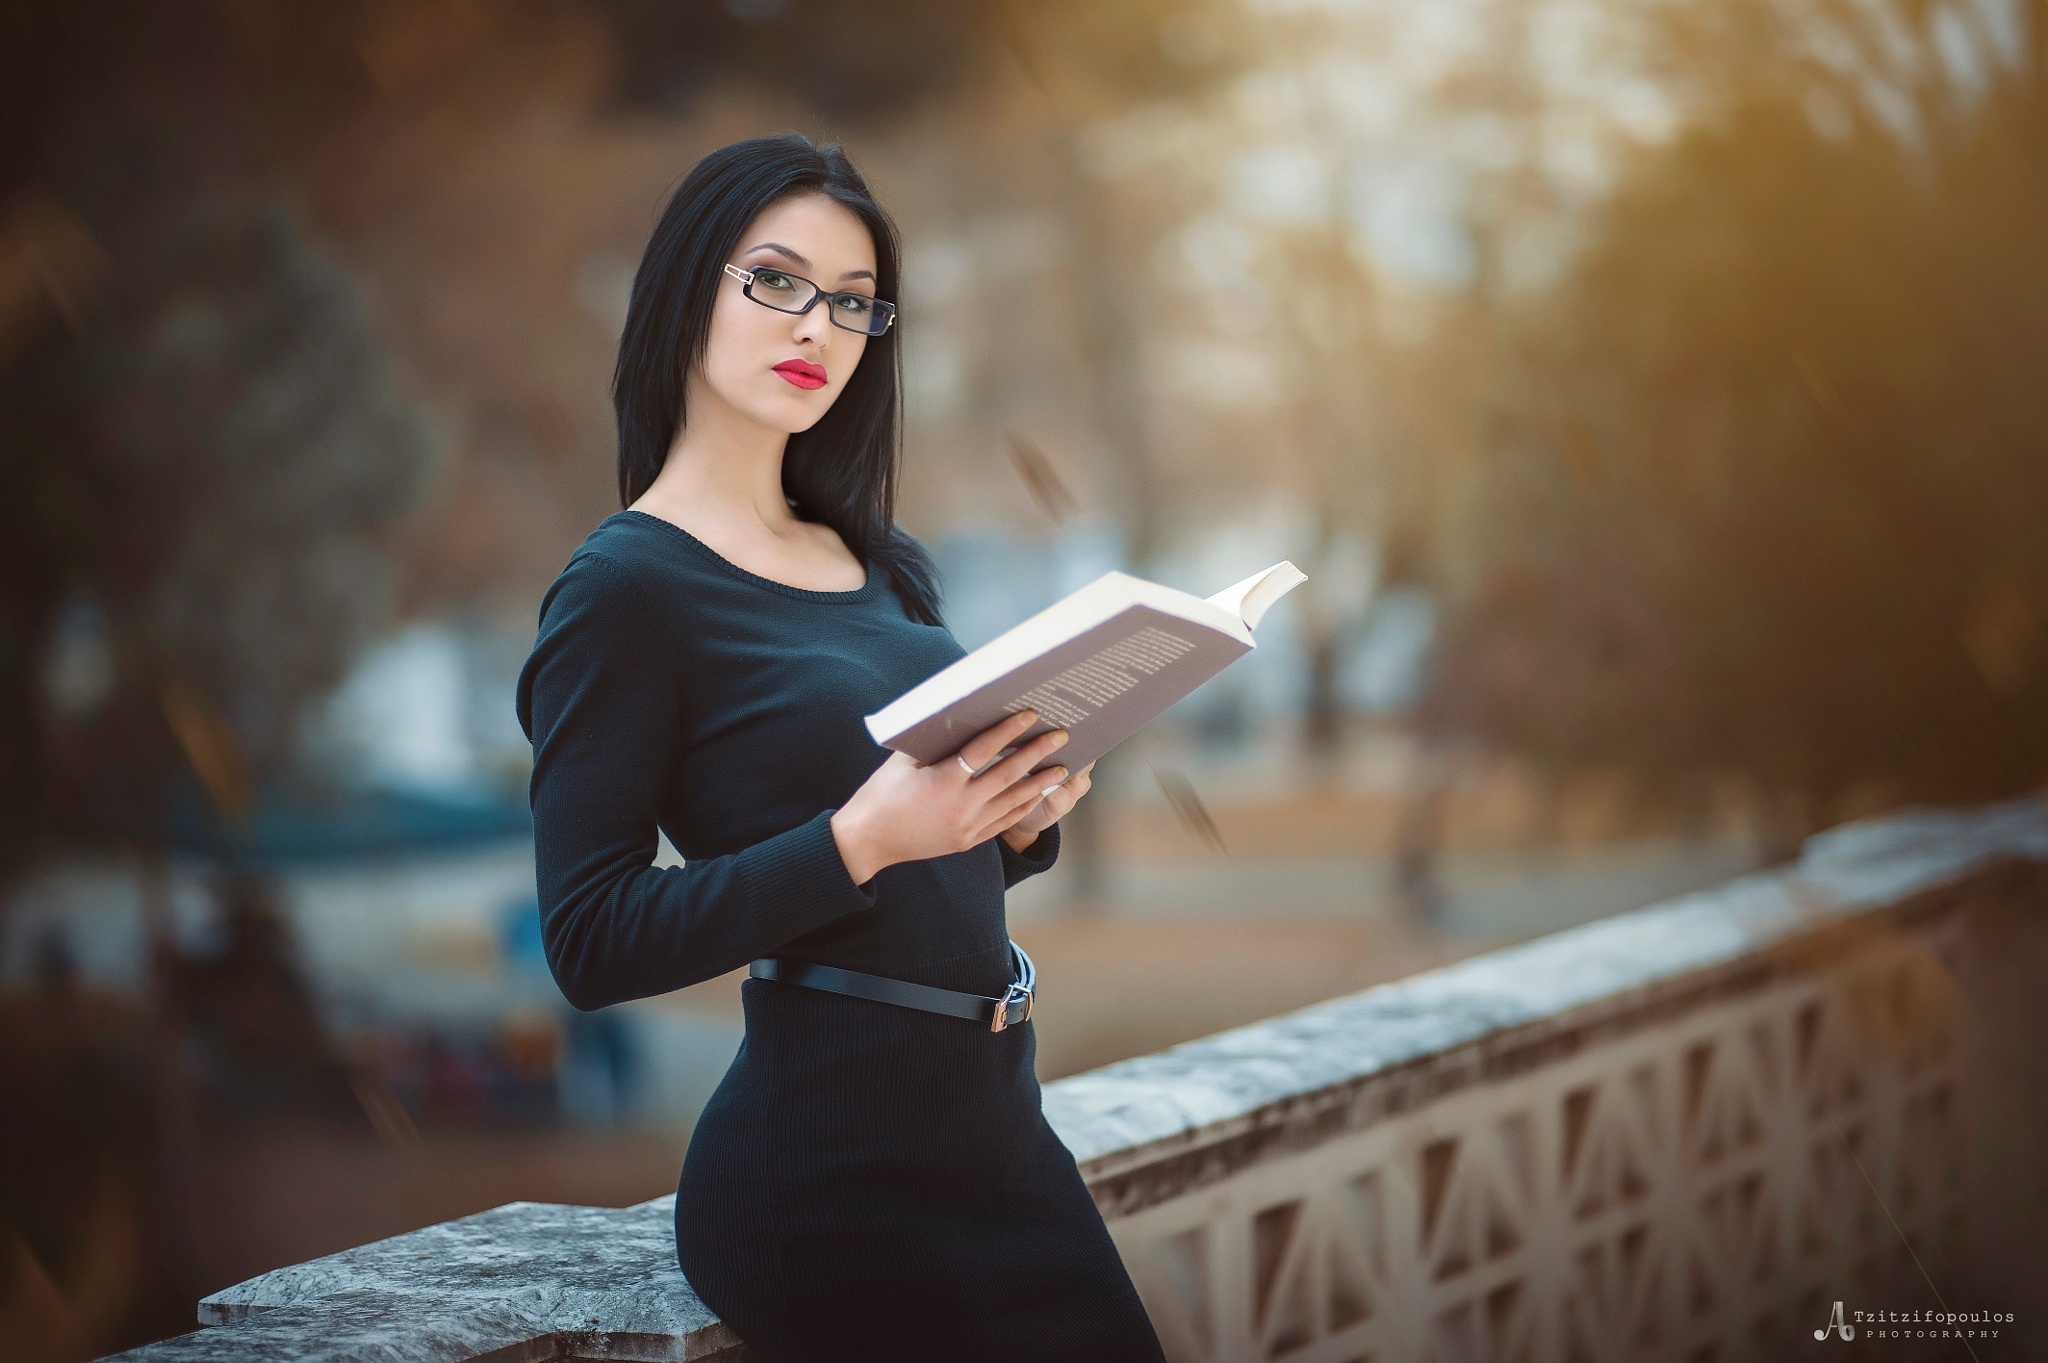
pixel 746 279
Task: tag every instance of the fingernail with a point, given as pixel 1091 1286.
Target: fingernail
pixel 1061 741
pixel 1055 785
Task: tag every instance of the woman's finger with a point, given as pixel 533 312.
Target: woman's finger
pixel 1007 824
pixel 981 749
pixel 999 776
pixel 1028 790
pixel 1007 815
pixel 1069 794
pixel 1059 802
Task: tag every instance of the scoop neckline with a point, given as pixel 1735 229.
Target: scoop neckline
pixel 860 593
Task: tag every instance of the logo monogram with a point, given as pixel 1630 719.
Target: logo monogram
pixel 1838 1324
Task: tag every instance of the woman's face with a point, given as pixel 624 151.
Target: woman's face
pixel 765 364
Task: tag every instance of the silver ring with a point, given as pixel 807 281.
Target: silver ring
pixel 962 760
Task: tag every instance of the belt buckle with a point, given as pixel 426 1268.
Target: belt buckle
pixel 1016 994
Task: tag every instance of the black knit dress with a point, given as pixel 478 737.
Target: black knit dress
pixel 868 1181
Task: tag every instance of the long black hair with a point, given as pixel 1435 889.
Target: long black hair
pixel 843 471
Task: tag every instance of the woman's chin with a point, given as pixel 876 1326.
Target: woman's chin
pixel 797 412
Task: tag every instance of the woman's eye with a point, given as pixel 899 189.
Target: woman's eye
pixel 771 279
pixel 853 303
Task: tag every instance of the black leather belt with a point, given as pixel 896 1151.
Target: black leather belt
pixel 1009 1010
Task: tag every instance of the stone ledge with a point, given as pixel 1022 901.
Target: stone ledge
pixel 1226 1087
pixel 525 1282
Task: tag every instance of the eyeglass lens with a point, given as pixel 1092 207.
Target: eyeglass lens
pixel 851 311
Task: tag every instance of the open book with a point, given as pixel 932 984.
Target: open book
pixel 1101 663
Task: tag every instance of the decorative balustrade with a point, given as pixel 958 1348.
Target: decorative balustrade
pixel 1681 1133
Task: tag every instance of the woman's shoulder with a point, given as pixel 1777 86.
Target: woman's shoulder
pixel 605 623
pixel 631 540
pixel 619 569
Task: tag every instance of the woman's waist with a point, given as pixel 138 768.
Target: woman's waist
pixel 971 956
pixel 805 1035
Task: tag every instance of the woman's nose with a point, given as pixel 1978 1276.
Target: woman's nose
pixel 812 327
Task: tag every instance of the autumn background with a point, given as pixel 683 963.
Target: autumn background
pixel 1652 391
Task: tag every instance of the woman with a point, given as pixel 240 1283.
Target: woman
pixel 871 1179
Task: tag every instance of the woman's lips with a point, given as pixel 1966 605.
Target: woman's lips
pixel 802 373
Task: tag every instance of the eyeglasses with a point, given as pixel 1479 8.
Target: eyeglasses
pixel 785 292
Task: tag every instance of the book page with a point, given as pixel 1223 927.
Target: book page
pixel 1077 692
pixel 1250 599
pixel 1055 627
pixel 1101 686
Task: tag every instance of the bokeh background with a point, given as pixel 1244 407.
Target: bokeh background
pixel 1655 392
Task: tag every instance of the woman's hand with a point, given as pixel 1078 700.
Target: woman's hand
pixel 907 811
pixel 1048 811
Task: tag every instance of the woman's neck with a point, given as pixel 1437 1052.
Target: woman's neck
pixel 724 470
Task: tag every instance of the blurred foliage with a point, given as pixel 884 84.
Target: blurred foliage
pixel 197 494
pixel 850 60
pixel 208 450
pixel 204 442
pixel 1769 471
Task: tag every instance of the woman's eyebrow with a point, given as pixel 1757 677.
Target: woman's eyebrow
pixel 793 256
pixel 800 262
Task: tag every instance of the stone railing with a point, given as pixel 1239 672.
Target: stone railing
pixel 1683 1133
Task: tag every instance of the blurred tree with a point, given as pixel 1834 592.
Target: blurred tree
pixel 1321 322
pixel 203 440
pixel 1766 495
pixel 1088 64
pixel 199 490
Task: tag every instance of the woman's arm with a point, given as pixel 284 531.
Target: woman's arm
pixel 1036 856
pixel 600 699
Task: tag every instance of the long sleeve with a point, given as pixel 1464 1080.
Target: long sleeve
pixel 1038 855
pixel 600 698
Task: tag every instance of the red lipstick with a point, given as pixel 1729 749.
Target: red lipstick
pixel 802 373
